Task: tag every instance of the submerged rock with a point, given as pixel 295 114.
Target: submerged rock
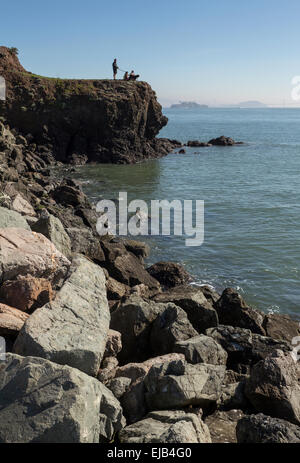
pixel 41 401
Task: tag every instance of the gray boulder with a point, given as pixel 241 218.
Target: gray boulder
pixel 262 429
pixel 167 427
pixel 12 219
pixel 233 311
pixel 191 299
pixel 133 319
pixel 170 326
pixel 244 348
pixel 53 229
pixel 179 384
pixel 41 401
pixel 274 387
pixel 201 349
pixel 23 252
pixel 72 330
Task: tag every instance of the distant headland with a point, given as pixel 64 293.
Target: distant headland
pixel 188 105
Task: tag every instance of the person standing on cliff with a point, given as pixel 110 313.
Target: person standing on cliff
pixel 115 68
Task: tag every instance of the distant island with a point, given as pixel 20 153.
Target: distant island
pixel 247 104
pixel 188 105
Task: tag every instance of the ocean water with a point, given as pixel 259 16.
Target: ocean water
pixel 251 194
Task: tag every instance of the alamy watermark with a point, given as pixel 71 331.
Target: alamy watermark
pixel 2 88
pixel 163 218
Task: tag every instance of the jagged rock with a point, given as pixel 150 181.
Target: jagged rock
pixel 222 426
pixel 197 144
pixel 132 393
pixel 23 207
pixel 133 319
pixel 233 397
pixel 191 299
pixel 223 141
pixel 211 295
pixel 170 326
pixel 167 427
pixel 169 274
pixel 71 330
pixel 180 384
pixel 11 320
pixel 201 349
pixel 84 242
pixel 26 292
pixel 233 310
pixel 113 343
pixel 274 387
pixel 53 229
pixel 126 267
pixel 23 252
pixel 115 289
pixel 243 347
pixel 69 193
pixel 12 219
pixel 143 291
pixel 281 327
pixel 41 401
pixel 262 429
pixel 138 248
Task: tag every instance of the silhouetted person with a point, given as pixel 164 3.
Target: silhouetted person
pixel 115 68
pixel 133 76
pixel 126 76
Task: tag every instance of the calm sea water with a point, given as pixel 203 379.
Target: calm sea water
pixel 251 194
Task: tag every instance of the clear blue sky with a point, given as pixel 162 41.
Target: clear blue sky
pixel 215 52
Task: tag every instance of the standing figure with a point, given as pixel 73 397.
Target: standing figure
pixel 115 68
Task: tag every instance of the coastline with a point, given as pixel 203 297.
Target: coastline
pixel 100 348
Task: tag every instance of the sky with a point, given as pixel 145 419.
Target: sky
pixel 214 52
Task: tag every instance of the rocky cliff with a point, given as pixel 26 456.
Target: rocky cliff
pixel 83 120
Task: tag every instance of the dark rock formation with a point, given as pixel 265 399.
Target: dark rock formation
pixel 261 429
pixel 169 274
pixel 224 141
pixel 83 120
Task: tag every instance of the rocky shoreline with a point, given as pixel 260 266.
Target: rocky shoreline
pixel 101 348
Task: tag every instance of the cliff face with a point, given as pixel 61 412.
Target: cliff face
pixel 83 120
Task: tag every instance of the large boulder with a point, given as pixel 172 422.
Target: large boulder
pixel 84 242
pixel 244 348
pixel 274 387
pixel 41 401
pixel 170 326
pixel 223 141
pixel 126 267
pixel 233 311
pixel 12 219
pixel 262 429
pixel 72 330
pixel 169 274
pixel 191 299
pixel 26 292
pixel 179 384
pixel 11 320
pixel 281 327
pixel 133 319
pixel 201 349
pixel 222 426
pixel 167 427
pixel 24 252
pixel 53 229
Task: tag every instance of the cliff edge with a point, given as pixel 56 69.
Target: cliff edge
pixel 82 121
